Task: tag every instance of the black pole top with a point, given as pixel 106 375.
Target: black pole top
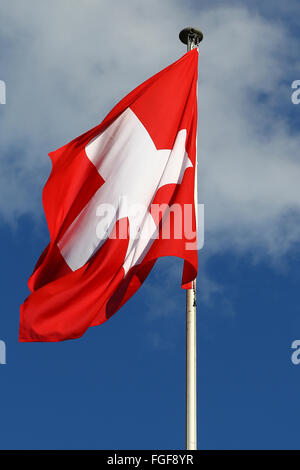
pixel 191 35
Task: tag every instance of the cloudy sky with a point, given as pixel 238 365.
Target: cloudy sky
pixel 65 65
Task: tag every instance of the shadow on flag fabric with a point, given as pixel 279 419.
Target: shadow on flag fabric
pixel 118 197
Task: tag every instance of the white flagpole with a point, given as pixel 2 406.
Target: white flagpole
pixel 191 37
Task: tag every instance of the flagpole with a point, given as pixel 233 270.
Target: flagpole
pixel 191 37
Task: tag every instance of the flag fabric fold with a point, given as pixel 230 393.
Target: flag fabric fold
pixel 118 197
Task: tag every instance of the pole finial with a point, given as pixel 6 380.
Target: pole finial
pixel 191 36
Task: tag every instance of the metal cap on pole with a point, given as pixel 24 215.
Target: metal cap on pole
pixel 191 37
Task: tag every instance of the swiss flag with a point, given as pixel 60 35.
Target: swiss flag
pixel 118 197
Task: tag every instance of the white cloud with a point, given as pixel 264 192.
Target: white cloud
pixel 67 63
pixel 249 159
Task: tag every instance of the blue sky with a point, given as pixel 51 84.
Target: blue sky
pixel 121 386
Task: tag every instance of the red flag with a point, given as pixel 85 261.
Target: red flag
pixel 118 197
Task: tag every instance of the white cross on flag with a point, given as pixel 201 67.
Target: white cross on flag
pixel 118 197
